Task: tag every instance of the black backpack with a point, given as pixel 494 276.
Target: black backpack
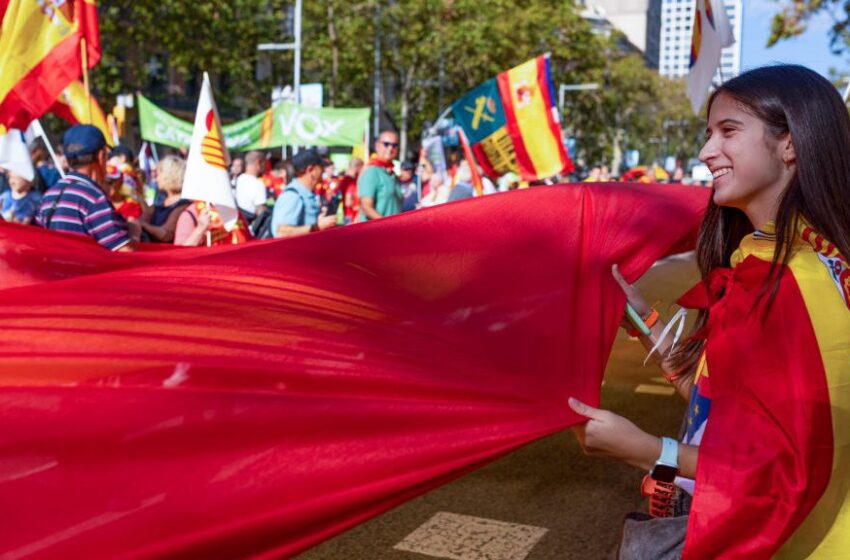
pixel 261 227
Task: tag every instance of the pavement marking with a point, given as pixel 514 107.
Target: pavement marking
pixel 654 389
pixel 464 537
pixel 660 380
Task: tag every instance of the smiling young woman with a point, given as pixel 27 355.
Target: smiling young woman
pixel 765 453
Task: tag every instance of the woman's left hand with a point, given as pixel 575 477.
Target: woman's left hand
pixel 609 435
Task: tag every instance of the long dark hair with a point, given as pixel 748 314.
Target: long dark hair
pixel 786 98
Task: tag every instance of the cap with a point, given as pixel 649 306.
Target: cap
pixel 305 158
pixel 82 139
pixel 408 165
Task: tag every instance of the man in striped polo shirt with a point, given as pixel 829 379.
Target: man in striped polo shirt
pixel 77 203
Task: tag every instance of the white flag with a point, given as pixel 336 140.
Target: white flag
pixel 711 33
pixel 14 155
pixel 207 177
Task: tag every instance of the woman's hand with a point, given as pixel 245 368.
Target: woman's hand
pixel 204 219
pixel 633 295
pixel 606 434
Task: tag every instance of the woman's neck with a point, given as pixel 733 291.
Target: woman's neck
pixel 171 199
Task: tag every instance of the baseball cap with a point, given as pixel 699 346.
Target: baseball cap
pixel 305 158
pixel 82 139
pixel 408 165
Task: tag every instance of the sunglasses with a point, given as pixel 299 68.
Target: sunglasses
pixel 390 144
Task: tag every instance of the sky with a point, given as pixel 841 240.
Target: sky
pixel 810 49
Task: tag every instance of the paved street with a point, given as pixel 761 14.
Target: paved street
pixel 550 501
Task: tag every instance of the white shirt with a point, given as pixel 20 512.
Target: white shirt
pixel 250 193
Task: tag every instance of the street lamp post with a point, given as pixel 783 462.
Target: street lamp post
pixel 294 46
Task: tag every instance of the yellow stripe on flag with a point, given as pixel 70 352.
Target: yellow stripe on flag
pixel 827 527
pixel 825 533
pixel 27 36
pixel 74 96
pixel 532 116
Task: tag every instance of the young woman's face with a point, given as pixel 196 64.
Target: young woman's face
pixel 745 160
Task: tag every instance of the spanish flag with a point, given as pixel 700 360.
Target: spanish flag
pixel 40 54
pixel 711 33
pixel 773 478
pixel 73 106
pixel 513 125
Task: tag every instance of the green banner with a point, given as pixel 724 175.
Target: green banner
pixel 296 125
pixel 162 127
pixel 285 124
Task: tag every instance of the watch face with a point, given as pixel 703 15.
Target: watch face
pixel 664 473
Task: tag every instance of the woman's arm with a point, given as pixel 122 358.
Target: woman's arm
pixel 189 232
pixel 684 382
pixel 165 232
pixel 606 434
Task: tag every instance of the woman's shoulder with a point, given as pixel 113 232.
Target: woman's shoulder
pixel 818 266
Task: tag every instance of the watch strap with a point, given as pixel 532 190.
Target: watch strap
pixel 669 452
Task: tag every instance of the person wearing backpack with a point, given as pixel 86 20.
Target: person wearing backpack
pixel 297 210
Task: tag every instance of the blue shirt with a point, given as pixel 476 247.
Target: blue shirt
pixel 83 208
pixel 21 210
pixel 296 206
pixel 48 175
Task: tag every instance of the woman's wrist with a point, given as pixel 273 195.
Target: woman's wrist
pixel 650 452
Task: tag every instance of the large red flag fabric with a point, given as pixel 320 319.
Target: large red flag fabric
pixel 255 400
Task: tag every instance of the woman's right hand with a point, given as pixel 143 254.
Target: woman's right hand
pixel 204 220
pixel 634 297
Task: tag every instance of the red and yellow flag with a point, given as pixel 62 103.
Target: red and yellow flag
pixel 73 106
pixel 782 369
pixel 40 54
pixel 512 124
pixel 528 100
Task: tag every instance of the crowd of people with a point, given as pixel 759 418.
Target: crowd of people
pixel 105 194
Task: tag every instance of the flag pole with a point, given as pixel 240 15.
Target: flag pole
pixel 84 55
pixel 39 132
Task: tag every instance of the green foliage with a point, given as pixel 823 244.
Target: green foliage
pixel 636 109
pixel 188 37
pixel 793 17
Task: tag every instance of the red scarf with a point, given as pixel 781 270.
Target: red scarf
pixel 386 165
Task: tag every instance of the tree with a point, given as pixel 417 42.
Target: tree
pixel 794 16
pixel 143 38
pixel 635 109
pixel 433 46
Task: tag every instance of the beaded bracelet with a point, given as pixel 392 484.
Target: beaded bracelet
pixel 649 321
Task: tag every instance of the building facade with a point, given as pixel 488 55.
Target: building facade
pixel 674 41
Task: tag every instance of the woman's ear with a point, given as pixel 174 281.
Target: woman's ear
pixel 789 156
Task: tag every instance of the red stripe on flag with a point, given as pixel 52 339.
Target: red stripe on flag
pixel 544 81
pixel 85 13
pixel 524 163
pixel 470 159
pixel 33 95
pixel 484 161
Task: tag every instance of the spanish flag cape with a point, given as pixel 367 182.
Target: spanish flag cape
pixel 773 476
pixel 252 400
